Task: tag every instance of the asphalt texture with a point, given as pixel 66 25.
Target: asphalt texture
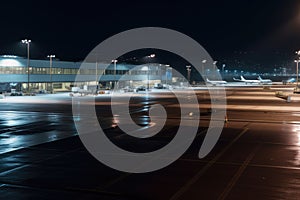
pixel 256 157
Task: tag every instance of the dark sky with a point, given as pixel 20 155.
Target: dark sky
pixel 70 29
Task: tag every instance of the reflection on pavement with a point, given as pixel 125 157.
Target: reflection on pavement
pixel 19 129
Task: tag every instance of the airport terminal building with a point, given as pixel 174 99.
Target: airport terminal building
pixel 61 75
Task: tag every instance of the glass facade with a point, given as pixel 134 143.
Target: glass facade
pixel 74 71
pixel 64 73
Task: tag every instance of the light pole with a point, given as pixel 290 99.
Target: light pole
pixel 297 70
pixel 115 70
pixel 297 64
pixel 96 78
pixel 223 66
pixel 215 68
pixel 50 59
pixel 203 71
pixel 148 82
pixel 27 42
pixel 166 74
pixel 169 74
pixel 148 71
pixel 188 68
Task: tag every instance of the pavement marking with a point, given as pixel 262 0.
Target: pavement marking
pixel 13 169
pixel 194 179
pixel 246 125
pixel 238 174
pixel 114 181
pixel 239 164
pixel 264 121
pixel 62 189
pixel 122 177
pixel 250 107
pixel 57 155
pixel 255 121
pixel 36 162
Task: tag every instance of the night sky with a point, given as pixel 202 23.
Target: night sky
pixel 71 29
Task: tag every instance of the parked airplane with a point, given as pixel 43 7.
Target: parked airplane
pixel 290 80
pixel 246 81
pixel 264 81
pixel 216 82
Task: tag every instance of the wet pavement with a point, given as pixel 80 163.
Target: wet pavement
pixel 257 156
pixel 23 129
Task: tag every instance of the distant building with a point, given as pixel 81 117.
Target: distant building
pixel 13 73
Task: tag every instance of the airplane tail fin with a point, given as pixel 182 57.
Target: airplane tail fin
pixel 259 78
pixel 242 78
